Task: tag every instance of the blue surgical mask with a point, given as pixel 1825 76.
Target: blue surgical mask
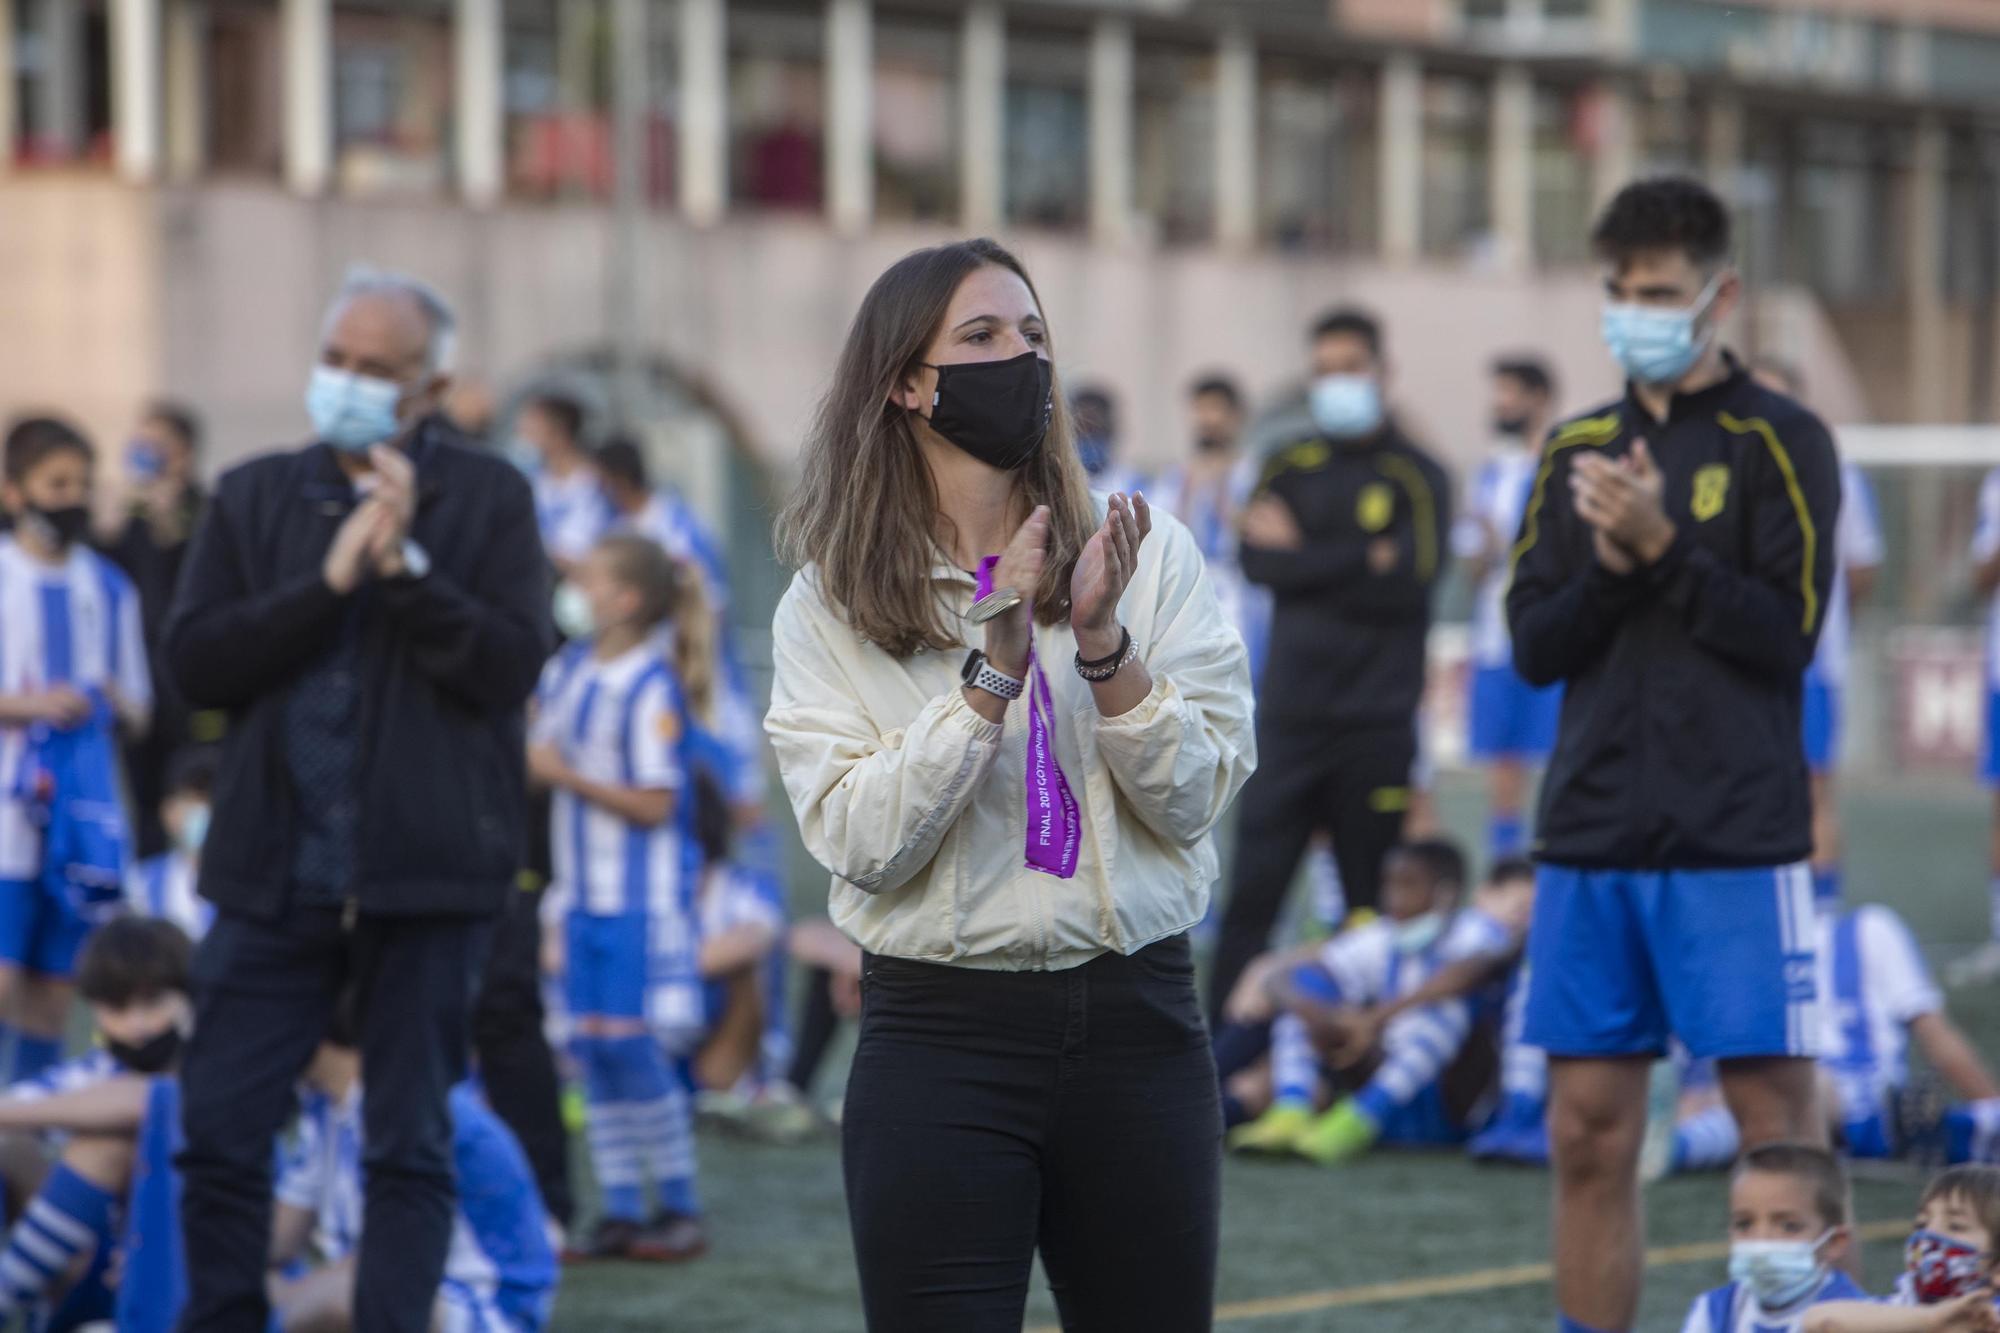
pixel 144 460
pixel 352 412
pixel 194 829
pixel 1655 345
pixel 1347 406
pixel 1780 1273
pixel 572 612
pixel 1095 452
pixel 1419 933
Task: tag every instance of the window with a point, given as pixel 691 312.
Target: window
pixel 777 106
pixel 1316 151
pixel 1047 174
pixel 1561 179
pixel 915 121
pixel 391 102
pixel 1455 169
pixel 1174 142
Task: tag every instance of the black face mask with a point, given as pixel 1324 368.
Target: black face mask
pixel 1511 427
pixel 64 526
pixel 1212 444
pixel 155 1055
pixel 997 411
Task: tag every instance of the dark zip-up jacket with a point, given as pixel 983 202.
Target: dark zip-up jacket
pixel 1347 642
pixel 1679 746
pixel 447 662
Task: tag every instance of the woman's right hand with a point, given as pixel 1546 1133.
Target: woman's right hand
pixel 1020 568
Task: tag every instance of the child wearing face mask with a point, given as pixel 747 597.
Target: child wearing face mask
pixel 1949 1265
pixel 1788 1240
pixel 1420 1078
pixel 133 973
pixel 72 674
pixel 610 740
pixel 164 886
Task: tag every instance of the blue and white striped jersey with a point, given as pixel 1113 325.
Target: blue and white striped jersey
pixel 1732 1309
pixel 75 624
pixel 165 888
pixel 1857 538
pixel 572 512
pixel 621 721
pixel 1493 506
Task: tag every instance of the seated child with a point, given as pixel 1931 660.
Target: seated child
pixel 1878 999
pixel 1949 1265
pixel 133 974
pixel 1419 1076
pixel 164 886
pixel 500 1274
pixel 1788 1241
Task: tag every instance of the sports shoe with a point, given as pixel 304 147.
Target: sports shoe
pixel 1663 1098
pixel 671 1238
pixel 1274 1133
pixel 1339 1136
pixel 611 1238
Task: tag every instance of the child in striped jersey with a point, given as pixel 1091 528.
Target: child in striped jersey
pixel 610 740
pixel 1415 1076
pixel 72 675
pixel 164 886
pixel 133 973
pixel 1950 1264
pixel 1788 1242
pixel 500 1274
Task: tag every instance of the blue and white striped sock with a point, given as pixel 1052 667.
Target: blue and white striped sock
pixel 1417 1047
pixel 662 1120
pixel 69 1218
pixel 611 1130
pixel 1294 1062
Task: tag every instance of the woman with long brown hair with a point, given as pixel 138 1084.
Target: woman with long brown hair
pixel 1018 835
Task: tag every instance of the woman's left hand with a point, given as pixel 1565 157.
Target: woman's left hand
pixel 1105 567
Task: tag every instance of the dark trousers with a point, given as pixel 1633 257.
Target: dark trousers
pixel 1353 783
pixel 818 1022
pixel 993 1113
pixel 516 1067
pixel 264 991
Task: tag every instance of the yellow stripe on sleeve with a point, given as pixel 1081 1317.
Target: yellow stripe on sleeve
pixel 1759 426
pixel 1423 506
pixel 1590 430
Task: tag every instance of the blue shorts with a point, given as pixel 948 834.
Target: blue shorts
pixel 1819 722
pixel 38 931
pixel 1620 960
pixel 1511 719
pixel 605 967
pixel 1989 758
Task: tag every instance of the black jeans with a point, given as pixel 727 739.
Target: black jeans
pixel 991 1113
pixel 1352 783
pixel 264 991
pixel 516 1067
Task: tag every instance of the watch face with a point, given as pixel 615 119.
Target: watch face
pixel 970 671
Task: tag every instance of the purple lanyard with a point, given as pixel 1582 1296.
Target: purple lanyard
pixel 1054 826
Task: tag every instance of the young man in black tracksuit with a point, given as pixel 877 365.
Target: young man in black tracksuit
pixel 1347 530
pixel 1672 565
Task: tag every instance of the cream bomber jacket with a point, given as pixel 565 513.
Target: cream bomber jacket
pixel 917 805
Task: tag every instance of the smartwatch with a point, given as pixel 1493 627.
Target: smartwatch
pixel 980 675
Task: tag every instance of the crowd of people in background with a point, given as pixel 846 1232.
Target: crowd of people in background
pixel 648 967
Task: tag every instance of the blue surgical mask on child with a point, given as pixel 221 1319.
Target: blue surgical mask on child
pixel 352 412
pixel 1658 345
pixel 1419 933
pixel 194 829
pixel 1346 406
pixel 572 612
pixel 1780 1273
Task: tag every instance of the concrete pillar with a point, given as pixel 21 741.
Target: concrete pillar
pixel 186 80
pixel 1111 95
pixel 1617 157
pixel 1923 273
pixel 1399 157
pixel 625 297
pixel 982 118
pixel 480 123
pixel 1722 140
pixel 1510 172
pixel 10 115
pixel 1617 27
pixel 135 89
pixel 308 77
pixel 1910 58
pixel 850 128
pixel 1236 140
pixel 59 111
pixel 704 111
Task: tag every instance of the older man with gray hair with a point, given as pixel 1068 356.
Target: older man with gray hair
pixel 372 611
